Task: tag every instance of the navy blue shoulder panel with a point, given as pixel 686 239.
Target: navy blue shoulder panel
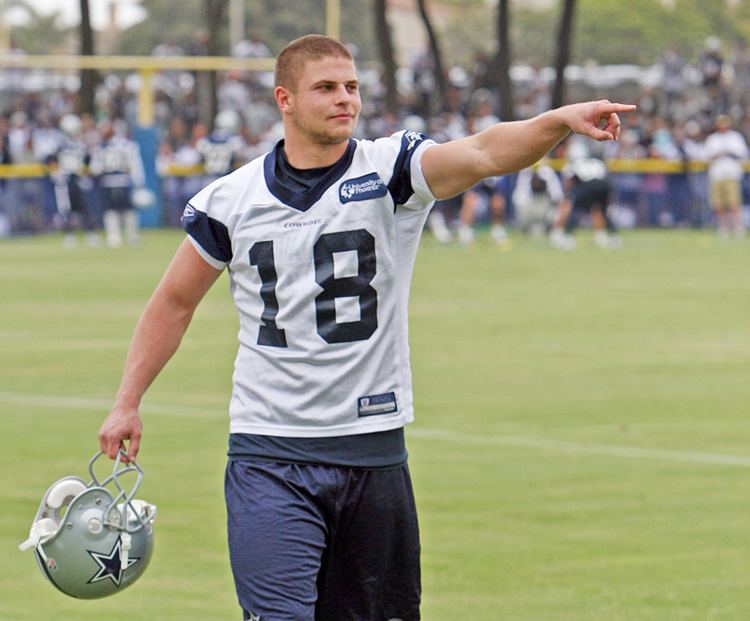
pixel 211 234
pixel 304 200
pixel 400 184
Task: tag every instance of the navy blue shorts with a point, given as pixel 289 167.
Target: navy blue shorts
pixel 313 542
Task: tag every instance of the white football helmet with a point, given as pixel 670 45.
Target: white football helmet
pixel 91 542
pixel 227 121
pixel 142 198
pixel 71 125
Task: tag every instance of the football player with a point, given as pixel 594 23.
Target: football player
pixel 72 184
pixel 220 150
pixel 536 197
pixel 116 163
pixel 319 237
pixel 588 192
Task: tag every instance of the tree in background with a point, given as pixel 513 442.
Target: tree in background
pixel 564 43
pixel 387 56
pixel 89 77
pixel 437 55
pixel 215 14
pixel 40 33
pixel 502 61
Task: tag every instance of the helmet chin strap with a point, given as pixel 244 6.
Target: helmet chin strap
pixel 124 550
pixel 41 530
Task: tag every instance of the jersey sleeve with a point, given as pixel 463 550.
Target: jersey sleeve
pixel 203 222
pixel 407 185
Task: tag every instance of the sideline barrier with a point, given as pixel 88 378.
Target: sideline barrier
pixel 645 193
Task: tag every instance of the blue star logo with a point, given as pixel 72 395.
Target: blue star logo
pixel 110 565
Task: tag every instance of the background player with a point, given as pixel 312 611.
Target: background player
pixel 588 192
pixel 72 185
pixel 116 163
pixel 220 150
pixel 319 238
pixel 537 196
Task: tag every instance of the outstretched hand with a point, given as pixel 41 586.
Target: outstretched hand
pixel 595 119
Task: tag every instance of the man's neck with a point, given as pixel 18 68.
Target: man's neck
pixel 302 155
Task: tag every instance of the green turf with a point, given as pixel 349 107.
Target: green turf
pixel 573 412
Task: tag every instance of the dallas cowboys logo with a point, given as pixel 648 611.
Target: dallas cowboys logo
pixel 110 565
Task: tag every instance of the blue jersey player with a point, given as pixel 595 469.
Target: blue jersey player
pixel 319 238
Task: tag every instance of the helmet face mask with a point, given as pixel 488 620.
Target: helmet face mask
pixel 93 539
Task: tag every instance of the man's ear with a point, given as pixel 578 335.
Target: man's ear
pixel 283 99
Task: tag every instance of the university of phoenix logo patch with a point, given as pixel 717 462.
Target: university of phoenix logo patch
pixel 362 188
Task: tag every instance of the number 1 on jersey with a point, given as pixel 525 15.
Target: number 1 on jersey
pixel 261 255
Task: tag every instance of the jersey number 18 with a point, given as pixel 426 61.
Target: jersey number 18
pixel 332 331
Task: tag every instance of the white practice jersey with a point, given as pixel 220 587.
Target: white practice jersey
pixel 321 283
pixel 117 162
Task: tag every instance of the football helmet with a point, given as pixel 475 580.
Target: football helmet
pixel 227 121
pixel 70 124
pixel 142 198
pixel 93 539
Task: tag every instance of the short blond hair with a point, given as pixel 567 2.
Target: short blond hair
pixel 291 60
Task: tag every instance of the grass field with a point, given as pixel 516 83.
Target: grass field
pixel 581 450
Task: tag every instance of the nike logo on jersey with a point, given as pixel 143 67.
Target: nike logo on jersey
pixel 413 139
pixel 362 188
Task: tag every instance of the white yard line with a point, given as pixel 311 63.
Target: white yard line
pixel 420 433
pixel 103 405
pixel 631 452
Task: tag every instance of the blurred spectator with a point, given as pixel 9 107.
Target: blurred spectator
pixel 5 223
pixel 168 80
pixel 233 92
pixel 659 147
pixel 711 65
pixel 423 74
pixel 19 138
pixel 679 196
pixel 694 146
pixel 168 47
pixel 46 139
pixel 198 45
pixel 726 151
pixel 5 157
pixel 739 60
pixel 627 189
pixel 177 149
pixel 251 47
pixel 673 81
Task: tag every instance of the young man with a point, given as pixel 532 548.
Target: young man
pixel 319 237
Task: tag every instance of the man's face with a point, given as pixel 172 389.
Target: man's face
pixel 325 104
